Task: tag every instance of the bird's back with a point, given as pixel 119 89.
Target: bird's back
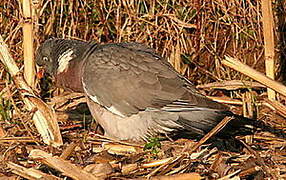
pixel 129 78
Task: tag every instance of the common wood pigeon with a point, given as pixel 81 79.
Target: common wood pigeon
pixel 131 91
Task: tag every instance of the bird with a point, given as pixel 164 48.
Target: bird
pixel 131 91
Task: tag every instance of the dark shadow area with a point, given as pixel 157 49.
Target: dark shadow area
pixel 82 119
pixel 225 139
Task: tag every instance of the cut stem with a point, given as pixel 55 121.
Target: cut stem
pixel 29 64
pixel 268 26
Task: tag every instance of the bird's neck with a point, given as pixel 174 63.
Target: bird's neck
pixel 70 58
pixel 70 78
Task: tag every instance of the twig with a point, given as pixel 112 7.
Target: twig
pixel 215 130
pixel 226 100
pixel 279 107
pixel 258 76
pixel 16 139
pixel 231 85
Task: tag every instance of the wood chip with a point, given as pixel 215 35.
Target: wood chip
pixel 61 165
pixel 29 173
pixel 69 150
pixel 119 149
pixel 184 176
pixel 100 170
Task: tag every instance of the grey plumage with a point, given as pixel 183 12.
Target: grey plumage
pixel 132 92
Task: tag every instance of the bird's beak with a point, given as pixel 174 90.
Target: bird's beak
pixel 40 73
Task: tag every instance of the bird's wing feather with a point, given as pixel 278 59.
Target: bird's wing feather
pixel 128 78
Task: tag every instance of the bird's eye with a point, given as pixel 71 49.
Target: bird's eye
pixel 46 59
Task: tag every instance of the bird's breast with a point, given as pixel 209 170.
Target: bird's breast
pixel 71 78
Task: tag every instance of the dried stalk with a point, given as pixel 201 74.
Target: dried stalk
pixel 268 26
pixel 231 85
pixel 29 64
pixel 258 76
pixel 44 117
pixel 226 100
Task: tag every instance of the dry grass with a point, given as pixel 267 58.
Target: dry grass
pixel 194 36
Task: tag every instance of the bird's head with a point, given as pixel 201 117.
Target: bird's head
pixel 54 55
pixel 45 57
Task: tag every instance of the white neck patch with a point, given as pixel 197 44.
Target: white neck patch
pixel 64 60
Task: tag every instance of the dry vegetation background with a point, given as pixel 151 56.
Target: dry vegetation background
pixel 194 36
